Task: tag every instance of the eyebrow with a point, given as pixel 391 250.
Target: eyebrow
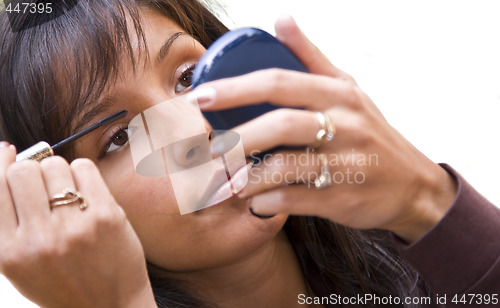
pixel 104 104
pixel 107 102
pixel 166 47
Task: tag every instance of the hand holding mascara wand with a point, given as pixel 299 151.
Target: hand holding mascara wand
pixel 42 149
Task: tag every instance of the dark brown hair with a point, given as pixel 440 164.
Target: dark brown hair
pixel 50 72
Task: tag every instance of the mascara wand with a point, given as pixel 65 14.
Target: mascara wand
pixel 42 149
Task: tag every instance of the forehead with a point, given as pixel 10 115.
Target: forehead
pixel 147 34
pixel 146 42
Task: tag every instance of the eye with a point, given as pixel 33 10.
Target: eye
pixel 117 140
pixel 184 81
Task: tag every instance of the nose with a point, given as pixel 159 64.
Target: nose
pixel 194 151
pixel 188 153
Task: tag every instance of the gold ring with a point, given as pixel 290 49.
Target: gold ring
pixel 326 132
pixel 68 197
pixel 324 180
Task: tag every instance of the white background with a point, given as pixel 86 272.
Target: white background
pixel 432 67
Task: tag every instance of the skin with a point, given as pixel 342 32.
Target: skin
pixel 150 202
pixel 230 256
pixel 254 257
pixel 402 190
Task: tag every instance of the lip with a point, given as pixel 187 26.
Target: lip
pixel 219 190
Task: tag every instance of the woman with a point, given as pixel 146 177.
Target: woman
pixel 104 56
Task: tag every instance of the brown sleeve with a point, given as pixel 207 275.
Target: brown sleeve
pixel 461 254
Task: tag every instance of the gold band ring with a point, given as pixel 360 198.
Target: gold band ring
pixel 68 197
pixel 324 179
pixel 326 132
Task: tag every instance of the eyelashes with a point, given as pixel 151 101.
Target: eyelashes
pixel 119 138
pixel 119 135
pixel 185 80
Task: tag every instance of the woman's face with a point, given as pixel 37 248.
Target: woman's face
pixel 208 238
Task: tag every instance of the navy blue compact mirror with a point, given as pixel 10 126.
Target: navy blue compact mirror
pixel 239 52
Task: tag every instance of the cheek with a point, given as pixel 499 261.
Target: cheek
pixel 149 203
pixel 211 237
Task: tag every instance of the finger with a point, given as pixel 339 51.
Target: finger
pixel 295 200
pixel 282 168
pixel 28 193
pixel 277 86
pixel 8 218
pixel 288 127
pixel 57 177
pixel 316 62
pixel 92 186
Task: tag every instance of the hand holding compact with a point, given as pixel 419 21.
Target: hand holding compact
pixel 396 187
pixel 64 242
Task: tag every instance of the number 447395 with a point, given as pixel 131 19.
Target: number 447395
pixel 31 8
pixel 475 299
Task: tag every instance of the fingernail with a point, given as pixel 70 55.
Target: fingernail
pixel 12 148
pixel 240 178
pixel 4 144
pixel 260 216
pixel 205 96
pixel 262 205
pixel 223 141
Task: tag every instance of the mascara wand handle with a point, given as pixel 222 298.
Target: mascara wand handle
pixel 36 152
pixel 42 149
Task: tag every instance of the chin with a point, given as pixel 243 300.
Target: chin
pixel 222 234
pixel 240 207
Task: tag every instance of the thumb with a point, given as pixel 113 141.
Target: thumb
pixel 316 62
